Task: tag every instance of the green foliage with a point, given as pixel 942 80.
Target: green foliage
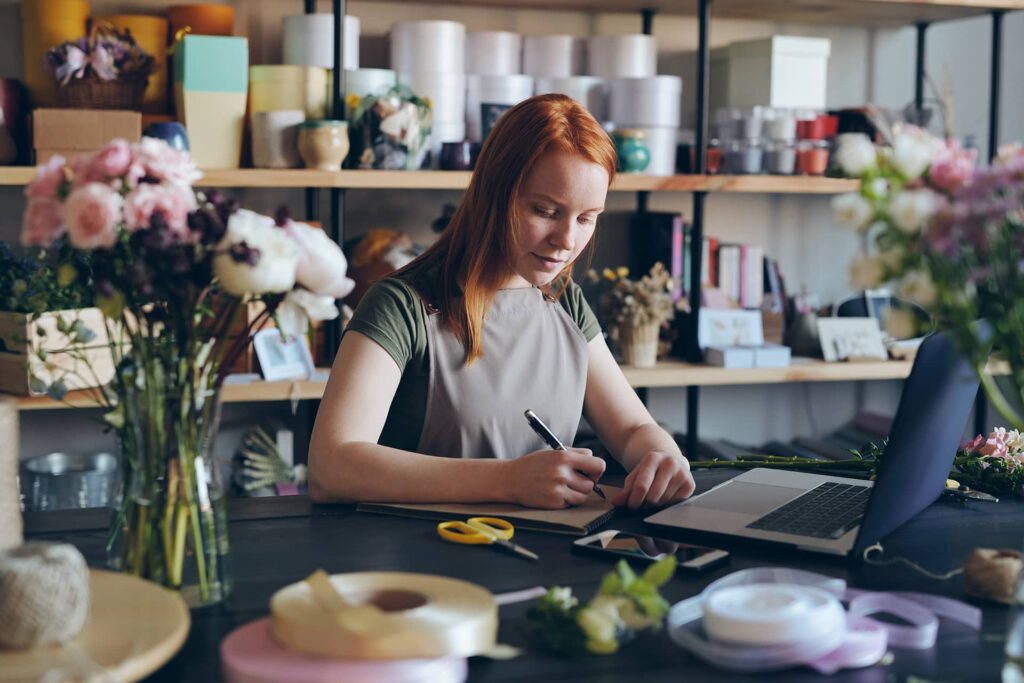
pixel 625 603
pixel 40 280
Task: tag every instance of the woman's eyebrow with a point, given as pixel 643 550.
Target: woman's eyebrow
pixel 549 198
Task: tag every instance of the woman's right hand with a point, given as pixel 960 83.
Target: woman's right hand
pixel 549 479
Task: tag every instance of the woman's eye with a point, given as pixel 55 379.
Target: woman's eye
pixel 587 220
pixel 544 213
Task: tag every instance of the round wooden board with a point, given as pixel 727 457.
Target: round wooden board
pixel 134 627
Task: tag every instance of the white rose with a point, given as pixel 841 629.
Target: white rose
pixel 856 154
pixel 866 272
pixel 322 264
pixel 274 269
pixel 918 286
pixel 878 188
pixel 300 306
pixel 900 324
pixel 851 210
pixel 910 209
pixel 912 152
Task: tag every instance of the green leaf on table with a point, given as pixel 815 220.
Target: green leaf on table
pixel 625 572
pixel 659 573
pixel 611 584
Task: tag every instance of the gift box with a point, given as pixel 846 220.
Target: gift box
pixel 211 82
pixel 74 131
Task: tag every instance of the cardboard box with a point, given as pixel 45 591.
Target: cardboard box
pixel 21 337
pixel 74 131
pixel 780 71
pixel 729 357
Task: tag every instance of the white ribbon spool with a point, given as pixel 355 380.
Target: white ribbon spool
pixel 494 53
pixel 428 46
pixel 773 614
pixel 557 56
pixel 308 40
pixel 653 101
pixel 627 56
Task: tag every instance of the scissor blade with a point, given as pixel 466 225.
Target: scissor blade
pixel 517 549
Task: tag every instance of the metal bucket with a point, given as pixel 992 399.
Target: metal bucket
pixel 59 481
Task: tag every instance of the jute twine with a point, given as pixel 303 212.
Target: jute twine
pixel 44 594
pixel 10 500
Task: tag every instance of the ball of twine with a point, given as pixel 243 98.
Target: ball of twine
pixel 44 594
pixel 992 574
pixel 10 496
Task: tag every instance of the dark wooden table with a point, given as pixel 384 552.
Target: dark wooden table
pixel 278 541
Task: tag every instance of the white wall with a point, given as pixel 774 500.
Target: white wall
pixel 865 66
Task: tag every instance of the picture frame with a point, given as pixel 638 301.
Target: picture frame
pixel 280 357
pixel 851 338
pixel 729 327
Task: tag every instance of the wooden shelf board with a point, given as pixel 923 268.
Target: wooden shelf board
pixel 458 180
pixel 665 374
pixel 833 12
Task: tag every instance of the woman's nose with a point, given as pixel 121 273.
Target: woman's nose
pixel 563 236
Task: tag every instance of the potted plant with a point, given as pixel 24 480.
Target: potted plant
pixel 104 70
pixel 634 310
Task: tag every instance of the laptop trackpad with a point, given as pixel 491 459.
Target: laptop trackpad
pixel 745 498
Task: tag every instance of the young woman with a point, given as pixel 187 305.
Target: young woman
pixel 426 398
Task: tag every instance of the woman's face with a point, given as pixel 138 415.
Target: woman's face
pixel 558 209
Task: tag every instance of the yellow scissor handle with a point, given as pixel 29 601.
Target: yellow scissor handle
pixel 476 530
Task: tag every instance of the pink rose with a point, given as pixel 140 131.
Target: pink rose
pixel 322 265
pixel 174 201
pixel 41 224
pixel 92 213
pixel 48 180
pixel 952 167
pixel 996 444
pixel 154 158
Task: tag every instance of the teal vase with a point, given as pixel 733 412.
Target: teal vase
pixel 632 151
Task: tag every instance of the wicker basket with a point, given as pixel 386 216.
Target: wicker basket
pixel 96 94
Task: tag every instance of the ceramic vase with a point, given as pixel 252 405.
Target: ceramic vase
pixel 323 144
pixel 631 148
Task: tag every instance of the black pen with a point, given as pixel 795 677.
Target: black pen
pixel 552 440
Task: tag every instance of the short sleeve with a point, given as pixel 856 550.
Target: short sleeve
pixel 390 313
pixel 579 310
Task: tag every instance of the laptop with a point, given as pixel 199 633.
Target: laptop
pixel 840 515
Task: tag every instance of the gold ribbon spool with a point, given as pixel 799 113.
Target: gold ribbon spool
pixel 386 615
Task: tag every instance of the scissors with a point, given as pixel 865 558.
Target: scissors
pixel 483 531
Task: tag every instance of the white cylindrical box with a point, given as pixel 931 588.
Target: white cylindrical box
pixel 662 144
pixel 773 614
pixel 587 90
pixel 626 56
pixel 308 40
pixel 558 56
pixel 492 90
pixel 445 131
pixel 365 82
pixel 446 91
pixel 652 101
pixel 428 46
pixel 494 53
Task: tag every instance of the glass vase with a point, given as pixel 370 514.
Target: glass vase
pixel 171 524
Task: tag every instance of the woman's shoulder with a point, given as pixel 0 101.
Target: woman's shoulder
pixel 570 295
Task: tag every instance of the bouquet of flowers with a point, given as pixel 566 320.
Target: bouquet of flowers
pixel 952 233
pixel 172 271
pixel 647 301
pixel 625 603
pixel 107 54
pixel 390 130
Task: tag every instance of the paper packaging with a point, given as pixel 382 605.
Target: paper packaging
pixel 495 53
pixel 558 56
pixel 73 131
pixel 730 357
pixel 628 56
pixel 434 46
pixel 771 356
pixel 308 40
pixel 653 101
pixel 781 71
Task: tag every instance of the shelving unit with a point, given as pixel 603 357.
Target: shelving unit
pixel 664 374
pixel 459 180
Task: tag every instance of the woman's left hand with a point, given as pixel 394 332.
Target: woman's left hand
pixel 660 478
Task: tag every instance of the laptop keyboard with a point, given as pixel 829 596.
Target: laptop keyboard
pixel 828 510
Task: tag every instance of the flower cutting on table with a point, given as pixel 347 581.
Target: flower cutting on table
pixel 173 271
pixel 951 233
pixel 625 603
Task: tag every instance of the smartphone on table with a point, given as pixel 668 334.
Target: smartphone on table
pixel 642 547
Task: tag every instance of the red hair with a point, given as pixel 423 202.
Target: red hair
pixel 472 257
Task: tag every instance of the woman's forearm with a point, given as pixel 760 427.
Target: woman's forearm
pixel 642 440
pixel 368 472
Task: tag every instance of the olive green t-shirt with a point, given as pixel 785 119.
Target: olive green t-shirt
pixel 391 314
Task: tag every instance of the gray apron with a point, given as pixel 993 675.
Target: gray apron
pixel 535 356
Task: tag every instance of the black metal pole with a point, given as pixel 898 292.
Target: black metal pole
pixel 697 226
pixel 309 6
pixel 996 74
pixel 332 331
pixel 647 20
pixel 919 71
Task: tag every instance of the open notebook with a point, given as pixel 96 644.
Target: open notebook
pixel 578 520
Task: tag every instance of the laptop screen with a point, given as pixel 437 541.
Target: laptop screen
pixel 926 433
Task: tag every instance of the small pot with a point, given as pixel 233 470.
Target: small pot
pixel 631 148
pixel 459 156
pixel 323 144
pixel 59 481
pixel 171 132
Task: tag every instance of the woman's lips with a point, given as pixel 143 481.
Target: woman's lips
pixel 548 263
